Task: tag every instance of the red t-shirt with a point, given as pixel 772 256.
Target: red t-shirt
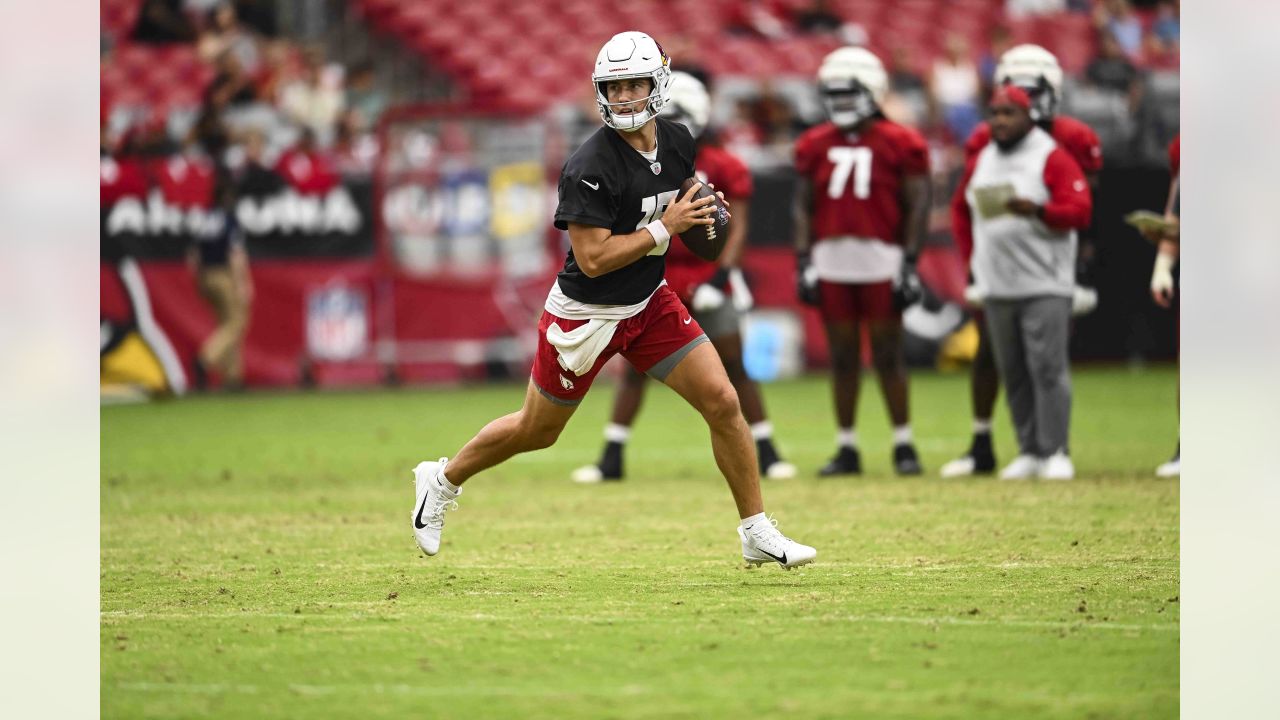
pixel 186 182
pixel 1072 135
pixel 310 173
pixel 857 177
pixel 686 271
pixel 120 178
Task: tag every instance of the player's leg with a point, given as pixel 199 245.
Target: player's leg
pixel 884 330
pixel 551 398
pixel 984 389
pixel 1003 322
pixel 701 380
pixel 837 304
pixel 626 405
pixel 723 325
pixel 1046 323
pixel 673 349
pixel 437 484
pixel 218 351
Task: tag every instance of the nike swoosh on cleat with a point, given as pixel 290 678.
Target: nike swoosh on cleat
pixel 782 559
pixel 417 519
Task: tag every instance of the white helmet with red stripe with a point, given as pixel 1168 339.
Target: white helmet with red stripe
pixel 690 104
pixel 852 83
pixel 1037 71
pixel 632 54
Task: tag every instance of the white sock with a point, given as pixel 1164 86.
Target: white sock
pixel 847 437
pixel 613 432
pixel 455 489
pixel 902 435
pixel 762 430
pixel 749 521
pixel 982 426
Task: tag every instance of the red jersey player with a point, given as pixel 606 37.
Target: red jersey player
pixel 861 212
pixel 1162 285
pixel 1036 71
pixel 715 294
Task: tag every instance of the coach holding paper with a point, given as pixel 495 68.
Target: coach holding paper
pixel 1022 199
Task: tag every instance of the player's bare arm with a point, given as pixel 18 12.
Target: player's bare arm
pixel 917 198
pixel 801 208
pixel 598 251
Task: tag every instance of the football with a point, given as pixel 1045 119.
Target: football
pixel 706 241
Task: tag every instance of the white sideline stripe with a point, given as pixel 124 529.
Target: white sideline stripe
pixel 376 688
pixel 150 330
pixel 606 620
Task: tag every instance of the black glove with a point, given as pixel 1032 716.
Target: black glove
pixel 907 290
pixel 806 281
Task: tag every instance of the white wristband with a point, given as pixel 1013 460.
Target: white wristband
pixel 659 233
pixel 1164 263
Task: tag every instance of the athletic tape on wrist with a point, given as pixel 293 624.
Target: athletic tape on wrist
pixel 659 232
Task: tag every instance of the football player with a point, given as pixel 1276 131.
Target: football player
pixel 715 294
pixel 861 211
pixel 1162 285
pixel 619 200
pixel 1037 72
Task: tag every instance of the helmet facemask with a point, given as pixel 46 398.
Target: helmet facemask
pixel 633 121
pixel 1044 101
pixel 847 102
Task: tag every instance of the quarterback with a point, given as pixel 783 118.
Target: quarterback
pixel 618 200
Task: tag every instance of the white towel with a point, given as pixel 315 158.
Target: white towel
pixel 579 348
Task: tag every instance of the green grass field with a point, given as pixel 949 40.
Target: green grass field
pixel 258 561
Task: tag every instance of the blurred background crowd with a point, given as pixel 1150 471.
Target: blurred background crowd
pixel 300 98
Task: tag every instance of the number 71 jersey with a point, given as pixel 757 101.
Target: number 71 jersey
pixel 857 178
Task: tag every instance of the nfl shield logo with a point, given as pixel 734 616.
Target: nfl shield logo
pixel 337 323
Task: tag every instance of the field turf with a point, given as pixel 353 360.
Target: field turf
pixel 257 561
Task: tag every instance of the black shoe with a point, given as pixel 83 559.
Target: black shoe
pixel 846 462
pixel 200 375
pixel 608 469
pixel 905 461
pixel 983 454
pixel 766 454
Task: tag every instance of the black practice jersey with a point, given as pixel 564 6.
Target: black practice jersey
pixel 607 184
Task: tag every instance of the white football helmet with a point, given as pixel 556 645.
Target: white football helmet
pixel 690 104
pixel 632 54
pixel 852 83
pixel 1037 71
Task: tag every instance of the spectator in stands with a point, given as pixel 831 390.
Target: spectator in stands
pixel 1001 41
pixel 162 21
pixel 954 86
pixel 307 168
pixel 354 150
pixel 1167 27
pixel 231 86
pixel 754 18
pixel 315 100
pixel 1112 70
pixel 908 99
pixel 817 19
pixel 259 16
pixel 225 34
pixel 1117 18
pixel 365 101
pixel 903 77
pixel 255 177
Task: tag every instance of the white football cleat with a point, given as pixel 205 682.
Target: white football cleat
pixel 588 474
pixel 1173 468
pixel 1057 466
pixel 781 470
pixel 1023 467
pixel 431 500
pixel 762 543
pixel 960 467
